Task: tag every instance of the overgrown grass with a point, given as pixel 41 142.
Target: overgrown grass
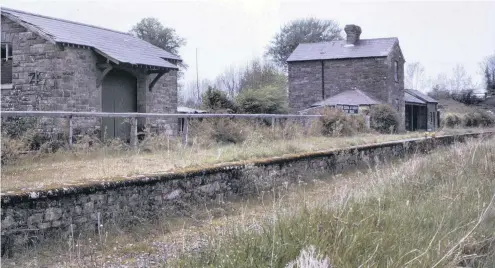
pixel 432 211
pixel 91 160
pixel 413 210
pixel 211 142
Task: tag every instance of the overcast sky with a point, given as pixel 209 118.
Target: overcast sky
pixel 225 32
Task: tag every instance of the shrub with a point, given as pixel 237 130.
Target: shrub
pixel 478 118
pixel 16 127
pixel 335 122
pixel 266 100
pixel 384 118
pixel 13 148
pixel 220 130
pixel 216 100
pixel 452 120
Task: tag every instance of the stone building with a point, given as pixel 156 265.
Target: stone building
pixel 50 64
pixel 375 67
pixel 421 111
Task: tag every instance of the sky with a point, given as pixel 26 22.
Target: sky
pixel 439 35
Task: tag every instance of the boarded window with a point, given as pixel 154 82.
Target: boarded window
pixel 6 63
pixel 396 71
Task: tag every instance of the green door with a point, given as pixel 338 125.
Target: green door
pixel 119 95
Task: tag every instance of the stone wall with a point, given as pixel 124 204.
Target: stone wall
pixel 395 89
pixel 30 53
pixel 52 77
pixel 31 217
pixel 305 84
pixel 72 87
pixel 163 99
pixel 431 109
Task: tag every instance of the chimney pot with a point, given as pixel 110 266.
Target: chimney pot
pixel 353 32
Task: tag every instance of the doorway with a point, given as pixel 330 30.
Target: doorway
pixel 119 95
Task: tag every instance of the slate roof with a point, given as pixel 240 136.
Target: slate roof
pixel 412 99
pixel 120 46
pixel 421 95
pixel 365 48
pixel 348 97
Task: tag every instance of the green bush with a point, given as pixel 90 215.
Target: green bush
pixel 217 100
pixel 265 100
pixel 335 122
pixel 452 120
pixel 384 118
pixel 478 118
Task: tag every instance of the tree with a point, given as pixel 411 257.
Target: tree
pixel 256 74
pixel 265 100
pixel 414 75
pixel 466 96
pixel 488 68
pixel 460 80
pixel 193 91
pixel 217 100
pixel 259 74
pixel 308 30
pixel 229 81
pixel 439 91
pixel 152 31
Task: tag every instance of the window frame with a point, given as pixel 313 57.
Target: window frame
pixel 350 109
pixel 396 71
pixel 8 48
pixel 8 57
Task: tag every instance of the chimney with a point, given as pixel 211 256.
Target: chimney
pixel 353 32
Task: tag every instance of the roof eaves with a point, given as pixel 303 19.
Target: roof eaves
pixel 391 48
pixel 106 56
pixel 419 96
pixel 343 58
pixel 30 27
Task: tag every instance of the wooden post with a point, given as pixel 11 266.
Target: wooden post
pixel 134 136
pixel 273 124
pixel 70 131
pixel 305 124
pixel 185 131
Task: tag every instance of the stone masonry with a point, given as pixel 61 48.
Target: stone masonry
pixel 37 216
pixel 316 80
pixel 50 77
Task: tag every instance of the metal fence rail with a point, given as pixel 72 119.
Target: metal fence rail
pixel 135 116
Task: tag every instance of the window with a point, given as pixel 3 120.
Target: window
pixel 396 71
pixel 6 52
pixel 6 63
pixel 350 109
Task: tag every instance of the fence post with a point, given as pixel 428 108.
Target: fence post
pixel 134 136
pixel 367 120
pixel 70 130
pixel 273 124
pixel 185 131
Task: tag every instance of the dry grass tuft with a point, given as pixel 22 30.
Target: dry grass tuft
pixel 432 211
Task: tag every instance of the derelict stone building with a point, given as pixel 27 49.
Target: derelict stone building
pixel 350 73
pixel 50 64
pixel 354 73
